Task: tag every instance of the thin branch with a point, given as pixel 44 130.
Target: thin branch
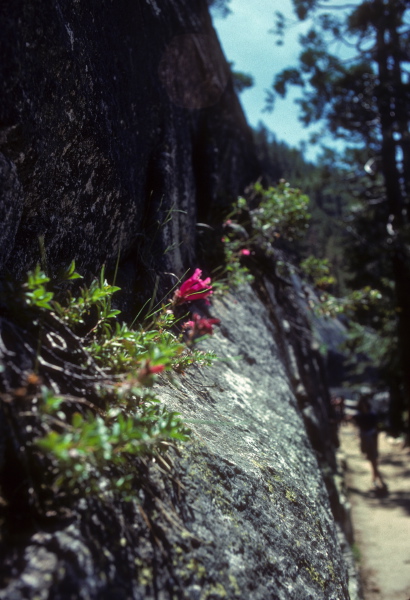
pixel 333 7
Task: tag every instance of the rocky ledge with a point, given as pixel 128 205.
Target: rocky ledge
pixel 241 511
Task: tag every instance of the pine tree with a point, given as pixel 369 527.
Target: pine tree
pixel 364 98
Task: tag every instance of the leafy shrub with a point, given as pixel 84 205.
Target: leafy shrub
pixel 355 301
pixel 318 271
pixel 282 212
pixel 234 271
pixel 90 448
pixel 267 216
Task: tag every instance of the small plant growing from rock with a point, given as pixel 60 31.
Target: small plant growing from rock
pixel 89 444
pixel 318 271
pixel 281 212
pixel 257 223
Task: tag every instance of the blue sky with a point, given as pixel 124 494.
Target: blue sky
pixel 246 41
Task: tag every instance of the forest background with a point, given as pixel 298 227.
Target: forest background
pixel 357 249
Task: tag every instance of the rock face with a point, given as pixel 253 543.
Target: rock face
pixel 253 480
pixel 119 131
pixel 241 511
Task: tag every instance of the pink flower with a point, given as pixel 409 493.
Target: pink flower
pixel 244 252
pixel 193 288
pixel 155 369
pixel 227 222
pixel 145 374
pixel 200 325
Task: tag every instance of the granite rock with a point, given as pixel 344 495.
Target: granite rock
pixel 119 131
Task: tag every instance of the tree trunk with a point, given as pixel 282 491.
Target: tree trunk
pixel 388 120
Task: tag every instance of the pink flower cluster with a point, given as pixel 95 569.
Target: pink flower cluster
pixel 199 326
pixel 193 288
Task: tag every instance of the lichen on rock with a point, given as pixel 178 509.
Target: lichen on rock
pixel 108 153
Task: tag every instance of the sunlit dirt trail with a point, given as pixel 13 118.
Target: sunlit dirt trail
pixel 381 521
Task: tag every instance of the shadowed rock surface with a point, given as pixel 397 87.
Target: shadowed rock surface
pixel 114 116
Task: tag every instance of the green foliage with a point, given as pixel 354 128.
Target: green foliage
pixel 267 217
pixel 373 347
pixel 234 272
pixel 282 212
pixel 327 183
pixel 91 450
pixel 35 292
pixel 339 91
pixel 70 273
pixel 352 73
pixel 342 204
pixel 357 301
pixel 318 270
pixel 194 357
pixel 122 348
pixel 97 295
